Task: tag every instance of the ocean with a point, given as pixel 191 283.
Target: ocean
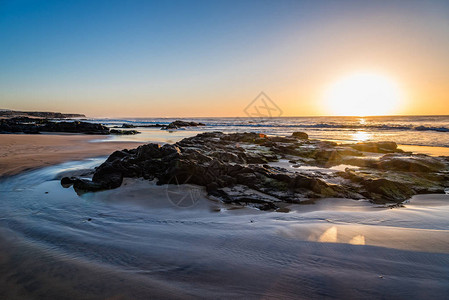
pixel 405 130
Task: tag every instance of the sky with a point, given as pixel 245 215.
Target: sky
pixel 212 58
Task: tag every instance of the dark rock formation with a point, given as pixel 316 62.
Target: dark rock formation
pixel 243 168
pixel 379 147
pixel 123 132
pixel 74 127
pixel 125 125
pixel 179 124
pixel 300 135
pixel 34 126
pixel 384 190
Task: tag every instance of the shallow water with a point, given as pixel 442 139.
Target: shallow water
pixel 139 241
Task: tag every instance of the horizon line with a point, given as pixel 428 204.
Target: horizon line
pixel 267 117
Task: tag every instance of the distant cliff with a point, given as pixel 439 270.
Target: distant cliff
pixel 38 114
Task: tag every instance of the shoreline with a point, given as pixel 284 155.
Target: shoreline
pixel 25 152
pixel 20 152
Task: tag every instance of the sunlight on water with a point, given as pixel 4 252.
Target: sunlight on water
pixel 404 130
pixel 361 136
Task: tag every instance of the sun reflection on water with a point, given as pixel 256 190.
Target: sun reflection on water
pixel 361 136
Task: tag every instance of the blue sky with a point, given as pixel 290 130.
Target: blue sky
pixel 175 58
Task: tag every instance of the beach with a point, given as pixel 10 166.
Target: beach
pixel 140 241
pixel 133 243
pixel 20 152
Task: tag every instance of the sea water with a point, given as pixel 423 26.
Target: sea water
pixel 405 130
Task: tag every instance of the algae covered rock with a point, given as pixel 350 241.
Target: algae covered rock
pixel 261 171
pixel 384 190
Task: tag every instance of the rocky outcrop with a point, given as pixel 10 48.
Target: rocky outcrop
pixel 123 132
pixel 300 135
pixel 384 190
pixel 74 127
pixel 173 125
pixel 34 126
pixel 243 168
pixel 179 124
pixel 379 147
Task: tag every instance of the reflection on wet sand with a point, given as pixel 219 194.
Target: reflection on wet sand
pixel 330 235
pixel 357 240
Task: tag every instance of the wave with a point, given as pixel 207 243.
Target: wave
pixel 340 126
pixel 287 123
pixel 439 129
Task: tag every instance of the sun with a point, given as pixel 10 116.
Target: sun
pixel 363 94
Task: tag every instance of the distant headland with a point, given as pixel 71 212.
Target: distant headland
pixel 37 114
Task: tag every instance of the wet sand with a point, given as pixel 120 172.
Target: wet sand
pixel 135 243
pixel 21 152
pixel 432 151
pixel 139 242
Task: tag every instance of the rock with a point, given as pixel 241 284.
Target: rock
pixel 281 139
pixel 384 190
pixel 237 168
pixel 148 151
pixel 239 194
pixel 123 132
pixel 300 135
pixel 170 126
pixel 169 151
pixel 117 155
pixel 83 185
pixel 379 147
pixel 67 181
pixel 34 126
pixel 392 146
pixel 75 127
pixel 328 157
pixel 416 163
pixel 38 114
pixel 316 185
pixel 108 179
pixel 179 124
